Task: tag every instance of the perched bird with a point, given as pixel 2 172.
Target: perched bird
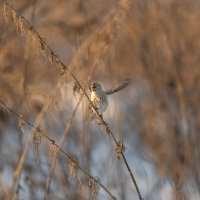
pixel 99 96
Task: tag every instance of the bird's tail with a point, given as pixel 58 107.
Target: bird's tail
pixel 123 85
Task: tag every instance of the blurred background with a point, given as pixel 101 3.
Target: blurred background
pixel 157 43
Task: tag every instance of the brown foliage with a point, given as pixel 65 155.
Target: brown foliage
pixel 155 42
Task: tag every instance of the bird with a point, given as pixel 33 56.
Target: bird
pixel 98 96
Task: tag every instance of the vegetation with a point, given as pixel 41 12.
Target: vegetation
pixel 146 141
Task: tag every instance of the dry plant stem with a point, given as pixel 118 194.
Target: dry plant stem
pixel 55 59
pixel 19 168
pixel 30 139
pixel 52 141
pixel 68 126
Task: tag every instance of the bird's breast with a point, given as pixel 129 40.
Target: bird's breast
pixel 100 101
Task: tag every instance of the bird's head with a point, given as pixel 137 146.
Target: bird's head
pixel 95 87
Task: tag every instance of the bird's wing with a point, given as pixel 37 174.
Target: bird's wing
pixel 124 84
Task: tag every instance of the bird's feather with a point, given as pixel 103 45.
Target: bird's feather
pixel 123 85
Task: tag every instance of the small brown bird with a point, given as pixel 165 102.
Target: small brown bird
pixel 99 96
